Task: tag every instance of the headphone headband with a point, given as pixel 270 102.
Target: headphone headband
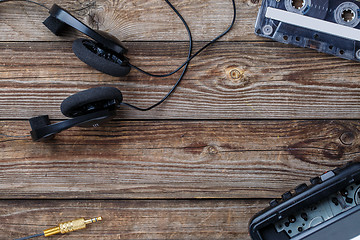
pixel 42 130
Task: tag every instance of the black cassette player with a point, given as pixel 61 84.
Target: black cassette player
pixel 327 209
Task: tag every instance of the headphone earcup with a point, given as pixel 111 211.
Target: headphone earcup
pixel 99 58
pixel 90 100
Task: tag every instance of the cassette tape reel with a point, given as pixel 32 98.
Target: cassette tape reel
pixel 329 26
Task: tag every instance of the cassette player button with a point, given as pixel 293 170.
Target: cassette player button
pixel 301 188
pixel 315 180
pixel 286 196
pixel 273 203
pixel 327 176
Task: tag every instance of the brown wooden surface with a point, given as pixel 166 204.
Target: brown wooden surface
pixel 197 167
pixel 142 219
pixel 141 20
pixel 273 82
pixel 174 159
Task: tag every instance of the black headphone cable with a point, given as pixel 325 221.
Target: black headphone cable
pixel 32 236
pixel 186 63
pixel 29 1
pixel 195 54
pixel 183 72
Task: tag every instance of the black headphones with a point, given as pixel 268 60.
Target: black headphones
pixel 95 106
pixel 89 108
pixel 104 53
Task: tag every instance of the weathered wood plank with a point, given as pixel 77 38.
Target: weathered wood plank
pixel 270 81
pixel 141 20
pixel 201 219
pixel 174 159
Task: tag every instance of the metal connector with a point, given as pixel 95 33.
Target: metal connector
pixel 70 226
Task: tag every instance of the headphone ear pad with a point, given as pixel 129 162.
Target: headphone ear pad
pixel 73 105
pixel 99 58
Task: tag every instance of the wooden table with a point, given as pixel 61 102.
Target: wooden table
pixel 251 120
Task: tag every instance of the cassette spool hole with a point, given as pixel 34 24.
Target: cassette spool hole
pixel 348 15
pixel 297 4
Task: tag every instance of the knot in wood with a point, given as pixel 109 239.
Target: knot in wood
pixel 212 150
pixel 235 74
pixel 347 138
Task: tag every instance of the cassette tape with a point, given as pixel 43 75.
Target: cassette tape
pixel 329 26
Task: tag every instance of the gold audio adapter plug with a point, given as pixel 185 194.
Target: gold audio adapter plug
pixel 65 227
pixel 70 226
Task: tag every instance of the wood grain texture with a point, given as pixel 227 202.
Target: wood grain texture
pixel 181 219
pixel 273 82
pixel 174 159
pixel 232 131
pixel 141 20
